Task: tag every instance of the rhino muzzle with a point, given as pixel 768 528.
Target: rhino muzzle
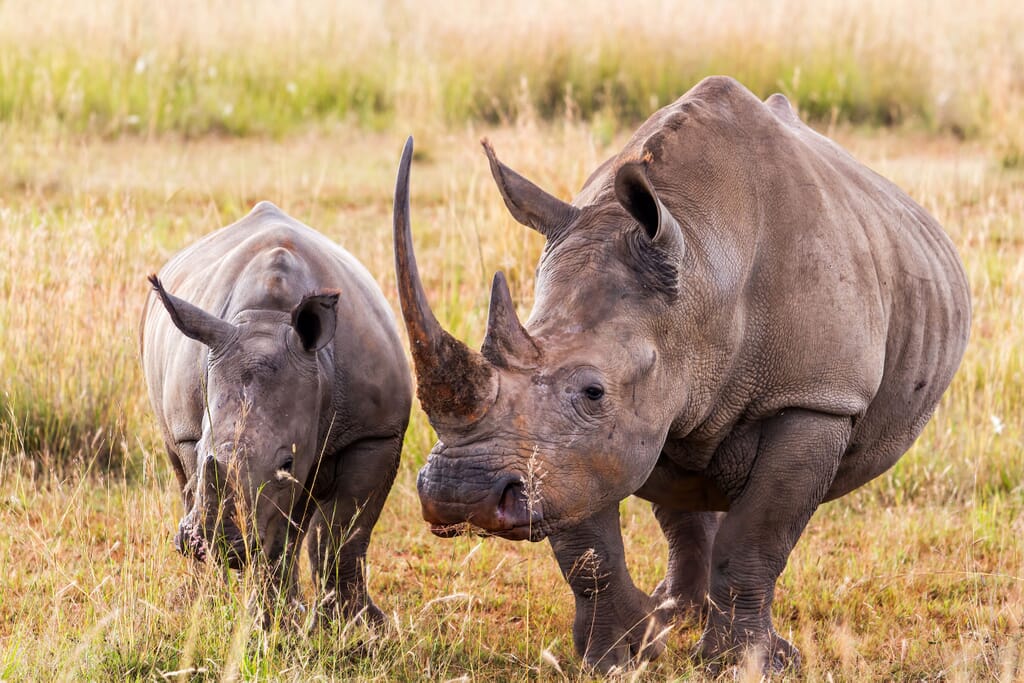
pixel 505 509
pixel 189 542
pixel 209 529
pixel 219 540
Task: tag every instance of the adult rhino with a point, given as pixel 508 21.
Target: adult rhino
pixel 283 393
pixel 733 316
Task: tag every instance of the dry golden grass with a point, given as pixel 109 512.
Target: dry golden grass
pixel 916 576
pixel 919 575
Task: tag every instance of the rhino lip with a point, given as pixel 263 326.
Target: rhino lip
pixel 453 530
pixel 228 548
pixel 524 532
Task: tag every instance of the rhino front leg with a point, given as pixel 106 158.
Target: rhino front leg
pixel 276 600
pixel 794 457
pixel 690 537
pixel 340 528
pixel 616 623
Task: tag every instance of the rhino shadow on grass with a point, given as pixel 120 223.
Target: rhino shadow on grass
pixel 282 393
pixel 734 320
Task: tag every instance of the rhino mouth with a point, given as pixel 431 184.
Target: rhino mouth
pixel 228 546
pixel 190 543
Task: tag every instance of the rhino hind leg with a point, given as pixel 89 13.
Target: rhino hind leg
pixel 690 537
pixel 795 458
pixel 616 624
pixel 340 527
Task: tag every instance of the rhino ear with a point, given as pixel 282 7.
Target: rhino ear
pixel 634 191
pixel 528 204
pixel 193 321
pixel 315 319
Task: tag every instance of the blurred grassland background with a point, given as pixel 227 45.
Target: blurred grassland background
pixel 194 67
pixel 130 129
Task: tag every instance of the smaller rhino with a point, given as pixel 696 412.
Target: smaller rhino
pixel 283 394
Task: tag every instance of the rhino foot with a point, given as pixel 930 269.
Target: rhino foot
pixel 686 606
pixel 616 624
pixel 276 612
pixel 767 652
pixel 619 632
pixel 373 616
pixel 363 611
pixel 368 614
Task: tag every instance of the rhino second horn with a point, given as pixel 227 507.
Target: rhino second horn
pixel 506 343
pixel 455 384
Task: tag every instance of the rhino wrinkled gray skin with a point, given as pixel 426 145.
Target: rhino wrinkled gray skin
pixel 283 394
pixel 734 320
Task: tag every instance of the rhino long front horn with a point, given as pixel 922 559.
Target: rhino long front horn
pixel 528 204
pixel 193 321
pixel 455 384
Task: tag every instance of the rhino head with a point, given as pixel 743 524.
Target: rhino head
pixel 264 390
pixel 552 422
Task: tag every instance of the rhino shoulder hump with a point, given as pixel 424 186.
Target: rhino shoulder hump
pixel 779 105
pixel 265 208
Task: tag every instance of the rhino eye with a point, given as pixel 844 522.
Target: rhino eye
pixel 287 465
pixel 595 392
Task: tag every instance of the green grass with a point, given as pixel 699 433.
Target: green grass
pixel 74 90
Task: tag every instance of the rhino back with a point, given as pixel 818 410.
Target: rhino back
pixel 268 261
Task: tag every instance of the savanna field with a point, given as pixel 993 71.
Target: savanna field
pixel 127 131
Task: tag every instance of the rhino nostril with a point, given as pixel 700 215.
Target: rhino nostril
pixel 512 504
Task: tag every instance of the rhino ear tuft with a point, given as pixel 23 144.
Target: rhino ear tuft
pixel 315 319
pixel 635 193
